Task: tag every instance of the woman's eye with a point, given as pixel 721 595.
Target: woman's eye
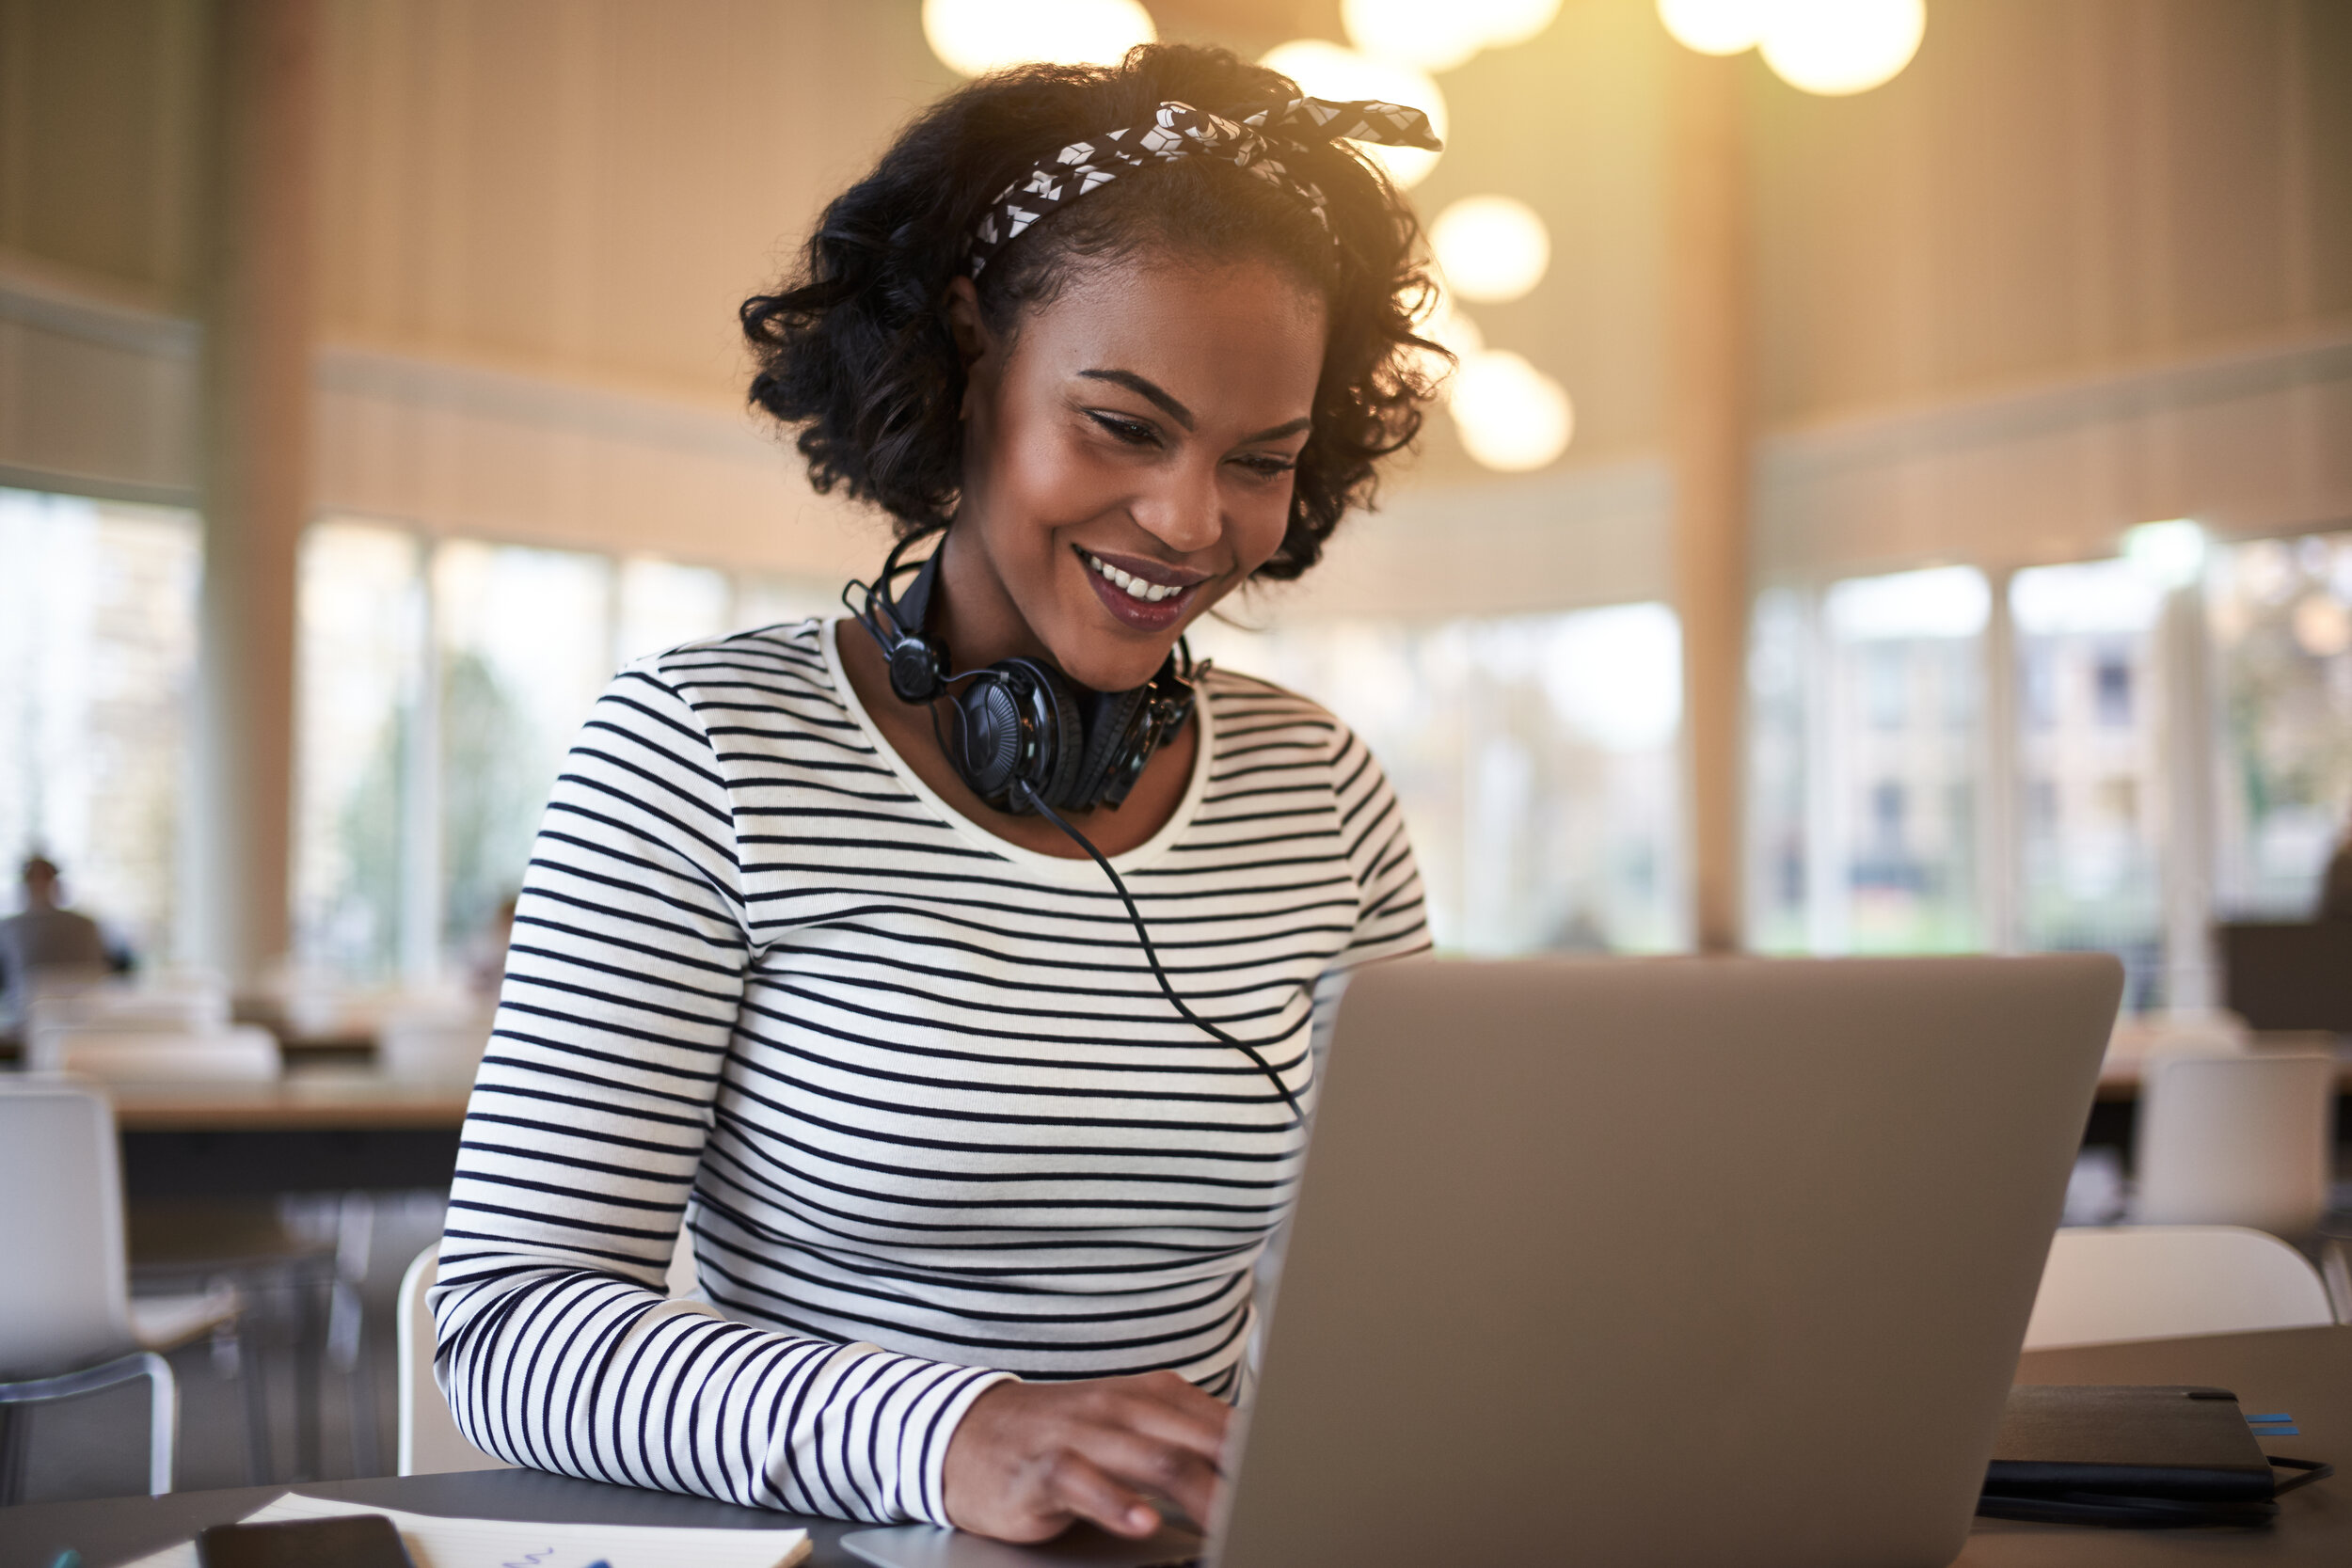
pixel 1134 431
pixel 1268 467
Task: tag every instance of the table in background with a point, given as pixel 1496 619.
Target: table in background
pixel 2308 1372
pixel 314 1130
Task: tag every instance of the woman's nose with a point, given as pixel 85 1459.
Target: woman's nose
pixel 1182 510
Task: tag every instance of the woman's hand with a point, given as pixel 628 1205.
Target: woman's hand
pixel 1028 1458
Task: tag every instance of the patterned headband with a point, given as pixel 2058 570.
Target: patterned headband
pixel 1180 131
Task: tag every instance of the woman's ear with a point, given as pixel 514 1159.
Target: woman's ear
pixel 972 336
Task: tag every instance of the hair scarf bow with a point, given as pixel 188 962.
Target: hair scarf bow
pixel 1180 131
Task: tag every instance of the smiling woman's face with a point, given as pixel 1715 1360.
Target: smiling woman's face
pixel 1127 459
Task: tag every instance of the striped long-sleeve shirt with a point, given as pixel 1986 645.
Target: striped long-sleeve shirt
pixel 912 1091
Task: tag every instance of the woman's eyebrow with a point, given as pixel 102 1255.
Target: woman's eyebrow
pixel 1143 387
pixel 1278 431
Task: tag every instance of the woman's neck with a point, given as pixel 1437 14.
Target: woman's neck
pixel 972 612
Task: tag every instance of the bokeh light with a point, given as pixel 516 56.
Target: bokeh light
pixel 1834 47
pixel 1413 32
pixel 1714 26
pixel 1442 323
pixel 1491 248
pixel 976 37
pixel 1325 69
pixel 1510 415
pixel 1439 37
pixel 2171 553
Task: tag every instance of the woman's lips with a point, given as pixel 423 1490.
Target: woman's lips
pixel 1141 614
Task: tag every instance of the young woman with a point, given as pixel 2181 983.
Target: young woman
pixel 974 1155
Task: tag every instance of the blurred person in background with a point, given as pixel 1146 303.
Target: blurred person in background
pixel 47 945
pixel 2335 888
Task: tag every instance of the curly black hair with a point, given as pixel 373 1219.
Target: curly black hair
pixel 855 348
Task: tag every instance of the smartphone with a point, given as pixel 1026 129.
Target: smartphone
pixel 356 1541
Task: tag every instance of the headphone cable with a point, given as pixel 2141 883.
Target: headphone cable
pixel 1151 956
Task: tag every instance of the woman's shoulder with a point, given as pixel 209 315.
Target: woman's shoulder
pixel 1250 713
pixel 770 678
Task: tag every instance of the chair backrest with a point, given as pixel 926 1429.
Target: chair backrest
pixel 2109 1283
pixel 430 1442
pixel 2236 1139
pixel 242 1053
pixel 64 1301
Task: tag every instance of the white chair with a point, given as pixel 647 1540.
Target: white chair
pixel 2236 1139
pixel 184 1002
pixel 68 1324
pixel 430 1442
pixel 2110 1283
pixel 418 1044
pixel 237 1053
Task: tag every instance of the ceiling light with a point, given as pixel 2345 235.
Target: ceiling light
pixel 1505 23
pixel 1837 47
pixel 1493 248
pixel 1510 415
pixel 976 37
pixel 1714 26
pixel 1325 69
pixel 1414 31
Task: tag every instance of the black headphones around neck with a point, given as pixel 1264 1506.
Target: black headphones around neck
pixel 1021 731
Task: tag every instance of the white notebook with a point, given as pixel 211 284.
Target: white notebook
pixel 435 1542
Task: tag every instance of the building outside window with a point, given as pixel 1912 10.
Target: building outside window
pixel 98 649
pixel 1898 755
pixel 2090 759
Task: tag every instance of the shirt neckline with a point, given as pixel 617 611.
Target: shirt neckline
pixel 1142 857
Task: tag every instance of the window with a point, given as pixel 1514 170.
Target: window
pixel 2282 622
pixel 1898 756
pixel 2089 857
pixel 441 686
pixel 1534 757
pixel 98 647
pixel 363 622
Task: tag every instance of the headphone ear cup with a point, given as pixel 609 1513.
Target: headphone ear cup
pixel 1062 738
pixel 984 745
pixel 1110 722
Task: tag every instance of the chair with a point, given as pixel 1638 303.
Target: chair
pixel 2236 1139
pixel 2112 1283
pixel 240 1052
pixel 68 1324
pixel 430 1442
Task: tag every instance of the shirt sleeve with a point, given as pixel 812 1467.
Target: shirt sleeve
pixel 1391 919
pixel 557 1348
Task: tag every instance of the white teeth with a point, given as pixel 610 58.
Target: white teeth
pixel 1132 586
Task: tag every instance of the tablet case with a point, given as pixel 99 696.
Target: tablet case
pixel 2122 1455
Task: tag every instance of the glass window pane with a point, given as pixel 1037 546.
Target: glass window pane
pixel 1534 757
pixel 2089 763
pixel 663 604
pixel 525 642
pixel 97 611
pixel 361 662
pixel 2281 617
pixel 1779 656
pixel 1903 671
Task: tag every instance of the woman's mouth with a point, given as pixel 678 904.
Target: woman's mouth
pixel 1146 602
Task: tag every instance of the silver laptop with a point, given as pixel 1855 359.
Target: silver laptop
pixel 1675 1261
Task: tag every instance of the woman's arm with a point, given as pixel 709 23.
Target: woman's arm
pixel 580 1147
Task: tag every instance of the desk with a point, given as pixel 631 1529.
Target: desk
pixel 325 1128
pixel 2308 1372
